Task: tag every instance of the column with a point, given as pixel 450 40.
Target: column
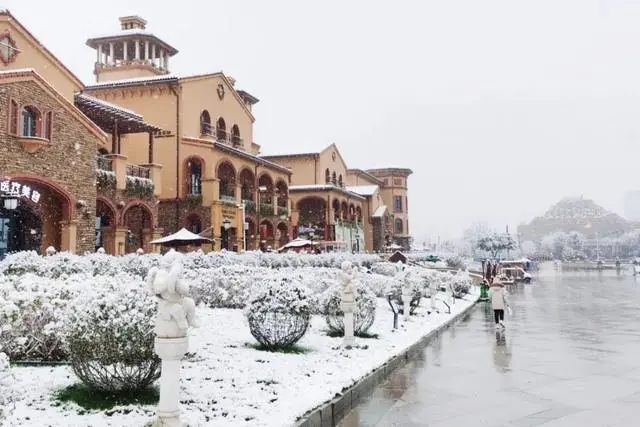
pixel 99 51
pixel 146 50
pixel 161 65
pixel 137 49
pixel 239 194
pixel 166 61
pixel 153 55
pixel 112 59
pixel 69 235
pixel 125 45
pixel 274 201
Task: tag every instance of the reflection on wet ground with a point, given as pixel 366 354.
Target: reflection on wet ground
pixel 570 356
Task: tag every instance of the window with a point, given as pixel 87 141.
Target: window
pixel 13 118
pixel 406 202
pixel 397 181
pixel 340 180
pixel 30 119
pixel 398 225
pixel 194 176
pixel 386 181
pixel 334 178
pixel 221 130
pixel 397 203
pixel 235 136
pixel 205 123
pixel 327 176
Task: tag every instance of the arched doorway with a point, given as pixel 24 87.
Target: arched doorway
pixel 139 223
pixel 33 213
pixel 105 227
pixel 20 229
pixel 312 222
pixel 227 181
pixel 267 235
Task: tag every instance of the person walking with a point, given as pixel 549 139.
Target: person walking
pixel 499 301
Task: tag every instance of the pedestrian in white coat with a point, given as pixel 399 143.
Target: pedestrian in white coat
pixel 499 301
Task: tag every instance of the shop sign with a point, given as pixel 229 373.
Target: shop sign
pixel 18 190
pixel 229 213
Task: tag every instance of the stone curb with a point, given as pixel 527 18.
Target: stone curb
pixel 330 413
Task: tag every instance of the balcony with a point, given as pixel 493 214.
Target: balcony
pixel 138 171
pixel 221 135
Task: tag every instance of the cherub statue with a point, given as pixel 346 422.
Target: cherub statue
pixel 176 312
pixel 347 279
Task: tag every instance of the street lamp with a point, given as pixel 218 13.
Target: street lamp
pixel 226 224
pixel 357 242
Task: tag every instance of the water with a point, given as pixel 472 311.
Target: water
pixel 570 356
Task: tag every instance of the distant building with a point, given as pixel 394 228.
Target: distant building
pixel 632 205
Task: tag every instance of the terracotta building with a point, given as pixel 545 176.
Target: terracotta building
pixel 349 208
pixel 50 140
pixel 213 181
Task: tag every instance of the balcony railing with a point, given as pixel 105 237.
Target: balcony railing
pixel 104 164
pixel 138 171
pixel 221 135
pixel 228 198
pixel 206 128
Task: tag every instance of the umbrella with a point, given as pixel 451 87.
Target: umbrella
pixel 181 238
pixel 296 243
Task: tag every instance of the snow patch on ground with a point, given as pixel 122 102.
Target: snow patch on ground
pixel 225 382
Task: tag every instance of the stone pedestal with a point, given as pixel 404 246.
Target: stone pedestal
pixel 171 351
pixel 348 340
pixel 406 299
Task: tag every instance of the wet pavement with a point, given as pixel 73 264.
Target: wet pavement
pixel 569 357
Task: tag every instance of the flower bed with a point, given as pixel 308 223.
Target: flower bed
pixel 226 380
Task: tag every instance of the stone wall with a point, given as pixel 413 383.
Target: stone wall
pixel 69 161
pixel 172 215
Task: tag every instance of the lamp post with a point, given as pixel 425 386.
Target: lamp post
pixel 226 224
pixel 357 242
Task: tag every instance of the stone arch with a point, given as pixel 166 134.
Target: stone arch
pixel 265 180
pixel 283 192
pixel 247 181
pixel 226 174
pixel 359 214
pixel 283 233
pixel 352 212
pixel 67 200
pixel 344 210
pixel 143 205
pixel 335 205
pixel 312 212
pixel 193 168
pixel 139 220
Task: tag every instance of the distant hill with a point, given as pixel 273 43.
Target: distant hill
pixel 575 214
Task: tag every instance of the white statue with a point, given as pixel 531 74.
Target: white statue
pixel 100 250
pixel 140 251
pixel 347 279
pixel 176 312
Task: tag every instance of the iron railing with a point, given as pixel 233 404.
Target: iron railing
pixel 138 171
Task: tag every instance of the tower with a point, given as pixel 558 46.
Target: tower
pixel 134 52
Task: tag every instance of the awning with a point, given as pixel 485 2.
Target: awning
pixel 182 237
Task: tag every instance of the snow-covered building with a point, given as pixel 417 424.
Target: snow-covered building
pixel 51 135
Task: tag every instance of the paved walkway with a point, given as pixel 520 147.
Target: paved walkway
pixel 570 357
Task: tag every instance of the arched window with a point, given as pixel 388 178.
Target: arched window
pixel 327 176
pixel 194 176
pixel 30 118
pixel 221 130
pixel 340 180
pixel 48 125
pixel 334 178
pixel 398 225
pixel 235 136
pixel 205 123
pixel 13 114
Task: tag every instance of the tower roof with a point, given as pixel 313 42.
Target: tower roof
pixel 131 26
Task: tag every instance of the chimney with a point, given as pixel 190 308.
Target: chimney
pixel 132 22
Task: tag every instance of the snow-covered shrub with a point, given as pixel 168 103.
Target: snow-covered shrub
pixel 364 310
pixel 378 283
pixel 7 394
pixel 384 268
pixel 31 313
pixel 460 284
pixel 278 313
pixel 454 261
pixel 109 335
pixel 394 292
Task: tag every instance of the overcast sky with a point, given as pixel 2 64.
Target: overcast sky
pixel 500 107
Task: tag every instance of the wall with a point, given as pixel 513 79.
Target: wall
pixel 69 161
pixel 119 73
pixel 32 56
pixel 331 159
pixel 200 94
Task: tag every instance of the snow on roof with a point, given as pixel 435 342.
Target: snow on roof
pixel 18 70
pixel 364 190
pixel 133 81
pixel 107 104
pixel 128 32
pixel 379 212
pixel 312 187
